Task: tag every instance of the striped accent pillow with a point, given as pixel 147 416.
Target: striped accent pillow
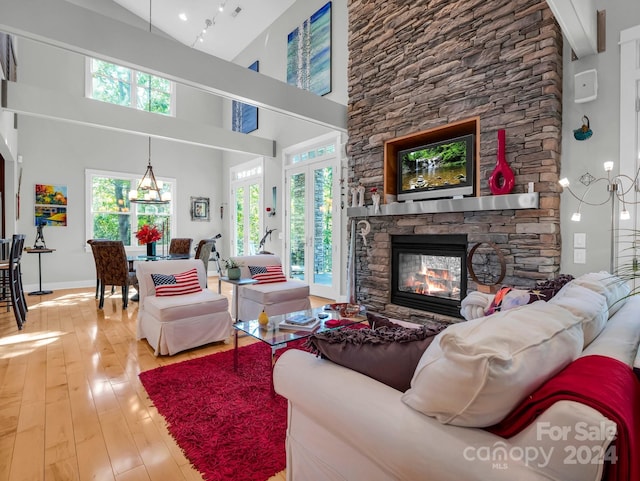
pixel 177 284
pixel 267 274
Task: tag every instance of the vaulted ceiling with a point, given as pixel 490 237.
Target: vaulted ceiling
pixel 229 30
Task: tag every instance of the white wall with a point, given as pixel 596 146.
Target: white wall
pixel 579 157
pixel 57 152
pixel 270 48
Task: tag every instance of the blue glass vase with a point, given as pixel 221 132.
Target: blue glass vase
pixel 151 249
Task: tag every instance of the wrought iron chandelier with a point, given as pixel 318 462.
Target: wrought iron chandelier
pixel 148 189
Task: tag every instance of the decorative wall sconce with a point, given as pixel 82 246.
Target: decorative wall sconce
pixel 616 190
pixel 615 187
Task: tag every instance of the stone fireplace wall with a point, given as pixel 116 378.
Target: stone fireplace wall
pixel 415 65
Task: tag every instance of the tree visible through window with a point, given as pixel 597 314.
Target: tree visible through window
pixel 124 86
pixel 111 215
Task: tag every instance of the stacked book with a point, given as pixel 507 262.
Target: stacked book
pixel 300 322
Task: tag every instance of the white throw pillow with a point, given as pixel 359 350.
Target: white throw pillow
pixel 610 286
pixel 474 373
pixel 587 304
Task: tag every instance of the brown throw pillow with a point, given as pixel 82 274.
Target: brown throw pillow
pixel 378 320
pixel 388 354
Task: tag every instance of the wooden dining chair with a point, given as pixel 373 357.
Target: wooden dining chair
pixel 11 279
pixel 112 268
pixel 180 245
pixel 91 242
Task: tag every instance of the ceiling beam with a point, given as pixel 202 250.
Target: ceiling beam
pixel 44 103
pixel 68 26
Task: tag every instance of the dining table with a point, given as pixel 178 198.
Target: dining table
pixel 145 258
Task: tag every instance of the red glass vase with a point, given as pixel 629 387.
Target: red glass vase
pixel 501 180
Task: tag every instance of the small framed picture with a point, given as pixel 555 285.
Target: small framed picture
pixel 200 208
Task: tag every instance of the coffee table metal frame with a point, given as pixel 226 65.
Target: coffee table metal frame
pixel 278 338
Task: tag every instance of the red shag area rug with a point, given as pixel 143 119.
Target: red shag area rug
pixel 228 423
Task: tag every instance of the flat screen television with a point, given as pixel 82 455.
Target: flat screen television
pixel 437 170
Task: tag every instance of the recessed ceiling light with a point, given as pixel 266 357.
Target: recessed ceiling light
pixel 183 16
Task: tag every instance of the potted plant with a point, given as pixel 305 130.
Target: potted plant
pixel 233 269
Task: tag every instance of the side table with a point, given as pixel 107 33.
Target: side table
pixel 236 283
pixel 39 251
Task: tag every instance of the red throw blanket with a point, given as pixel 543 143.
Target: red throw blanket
pixel 603 383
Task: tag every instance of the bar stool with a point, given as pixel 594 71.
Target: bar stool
pixel 12 280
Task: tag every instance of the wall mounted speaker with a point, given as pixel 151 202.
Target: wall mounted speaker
pixel 586 86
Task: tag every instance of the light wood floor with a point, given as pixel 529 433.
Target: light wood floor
pixel 71 405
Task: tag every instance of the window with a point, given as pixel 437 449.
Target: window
pixel 8 57
pixel 119 85
pixel 246 202
pixel 314 153
pixel 110 215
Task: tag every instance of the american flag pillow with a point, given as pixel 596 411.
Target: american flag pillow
pixel 267 274
pixel 177 284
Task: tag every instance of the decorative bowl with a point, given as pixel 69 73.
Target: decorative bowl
pixel 345 309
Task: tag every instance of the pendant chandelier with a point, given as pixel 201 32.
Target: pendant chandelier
pixel 149 187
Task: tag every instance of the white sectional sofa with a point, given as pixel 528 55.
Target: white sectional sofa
pixel 343 425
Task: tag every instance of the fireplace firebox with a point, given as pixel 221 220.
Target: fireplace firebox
pixel 429 272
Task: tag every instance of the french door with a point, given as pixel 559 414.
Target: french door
pixel 312 222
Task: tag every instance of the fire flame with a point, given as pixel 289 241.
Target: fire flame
pixel 429 282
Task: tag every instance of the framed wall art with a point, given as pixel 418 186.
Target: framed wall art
pixel 200 208
pixel 244 117
pixel 309 53
pixel 50 205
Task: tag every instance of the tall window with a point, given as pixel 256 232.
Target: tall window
pixel 111 216
pixel 246 201
pixel 119 85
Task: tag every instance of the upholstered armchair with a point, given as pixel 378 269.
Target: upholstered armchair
pixel 176 322
pixel 274 297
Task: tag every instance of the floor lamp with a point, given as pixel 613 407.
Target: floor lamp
pixel 615 189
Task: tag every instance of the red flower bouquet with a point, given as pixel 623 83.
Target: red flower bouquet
pixel 148 233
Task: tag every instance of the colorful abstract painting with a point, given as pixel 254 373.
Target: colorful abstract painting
pixel 309 53
pixel 244 116
pixel 51 205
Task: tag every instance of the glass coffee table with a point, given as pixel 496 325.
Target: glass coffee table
pixel 278 338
